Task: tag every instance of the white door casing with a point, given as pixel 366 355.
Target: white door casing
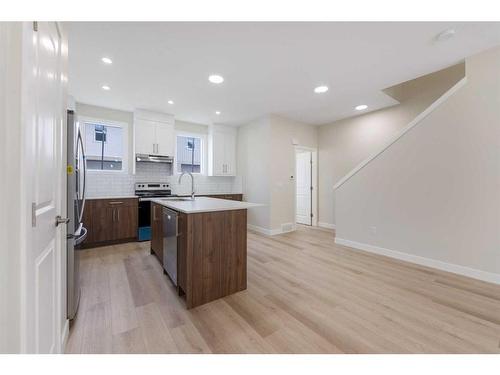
pixel 303 187
pixel 43 118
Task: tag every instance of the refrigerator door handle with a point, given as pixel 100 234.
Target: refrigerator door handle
pixel 80 141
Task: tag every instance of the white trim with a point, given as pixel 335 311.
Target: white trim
pixel 267 232
pixel 65 335
pixel 428 262
pixel 322 224
pixel 410 126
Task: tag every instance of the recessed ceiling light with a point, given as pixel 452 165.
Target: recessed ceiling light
pixel 215 78
pixel 361 107
pixel 170 102
pixel 445 35
pixel 106 87
pixel 217 112
pixel 321 89
pixel 107 60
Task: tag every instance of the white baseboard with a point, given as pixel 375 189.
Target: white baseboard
pixel 322 224
pixel 428 262
pixel 267 232
pixel 65 335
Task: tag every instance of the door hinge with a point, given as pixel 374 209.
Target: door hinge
pixel 311 187
pixel 312 215
pixel 35 26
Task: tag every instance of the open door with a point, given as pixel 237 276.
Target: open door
pixel 304 187
pixel 44 109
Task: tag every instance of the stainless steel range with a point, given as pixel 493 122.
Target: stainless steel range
pixel 147 191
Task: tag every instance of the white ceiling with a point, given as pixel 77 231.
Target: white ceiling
pixel 268 67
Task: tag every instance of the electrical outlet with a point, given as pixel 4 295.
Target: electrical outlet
pixel 373 229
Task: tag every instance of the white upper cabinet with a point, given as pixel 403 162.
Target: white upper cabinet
pixel 154 133
pixel 145 136
pixel 165 139
pixel 222 151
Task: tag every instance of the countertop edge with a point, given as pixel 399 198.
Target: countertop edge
pixel 232 207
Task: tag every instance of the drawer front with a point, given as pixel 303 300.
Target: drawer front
pixel 105 203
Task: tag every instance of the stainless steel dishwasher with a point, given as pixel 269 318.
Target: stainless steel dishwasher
pixel 170 234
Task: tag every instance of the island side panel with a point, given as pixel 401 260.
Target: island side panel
pixel 215 255
pixel 182 246
pixel 234 253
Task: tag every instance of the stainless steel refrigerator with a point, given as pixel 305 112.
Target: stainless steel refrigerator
pixel 76 233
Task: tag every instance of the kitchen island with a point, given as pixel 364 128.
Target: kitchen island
pixel 202 245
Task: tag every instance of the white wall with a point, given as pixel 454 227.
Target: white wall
pixel 346 143
pixel 253 155
pixel 282 166
pixel 434 195
pixel 10 187
pixel 116 184
pixel 266 160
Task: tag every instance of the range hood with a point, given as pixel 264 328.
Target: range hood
pixel 154 158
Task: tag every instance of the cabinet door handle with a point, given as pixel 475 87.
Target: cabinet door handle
pixel 115 202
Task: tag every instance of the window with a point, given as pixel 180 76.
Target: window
pixel 100 133
pixel 189 154
pixel 104 146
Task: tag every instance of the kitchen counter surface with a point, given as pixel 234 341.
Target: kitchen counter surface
pixel 114 197
pixel 204 204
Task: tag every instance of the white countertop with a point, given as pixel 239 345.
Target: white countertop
pixel 114 197
pixel 204 204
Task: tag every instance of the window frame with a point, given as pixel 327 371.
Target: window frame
pixel 83 120
pixel 203 146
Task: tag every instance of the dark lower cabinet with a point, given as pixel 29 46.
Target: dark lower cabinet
pixel 110 221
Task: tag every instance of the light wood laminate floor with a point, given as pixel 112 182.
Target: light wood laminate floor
pixel 305 295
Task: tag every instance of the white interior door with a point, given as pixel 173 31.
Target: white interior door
pixel 43 108
pixel 303 183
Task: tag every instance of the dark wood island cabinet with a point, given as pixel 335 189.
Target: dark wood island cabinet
pixel 211 249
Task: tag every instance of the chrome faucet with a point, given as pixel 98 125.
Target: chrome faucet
pixel 192 182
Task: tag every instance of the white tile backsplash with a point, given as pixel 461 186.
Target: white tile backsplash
pixel 102 184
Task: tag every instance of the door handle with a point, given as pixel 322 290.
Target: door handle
pixel 61 220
